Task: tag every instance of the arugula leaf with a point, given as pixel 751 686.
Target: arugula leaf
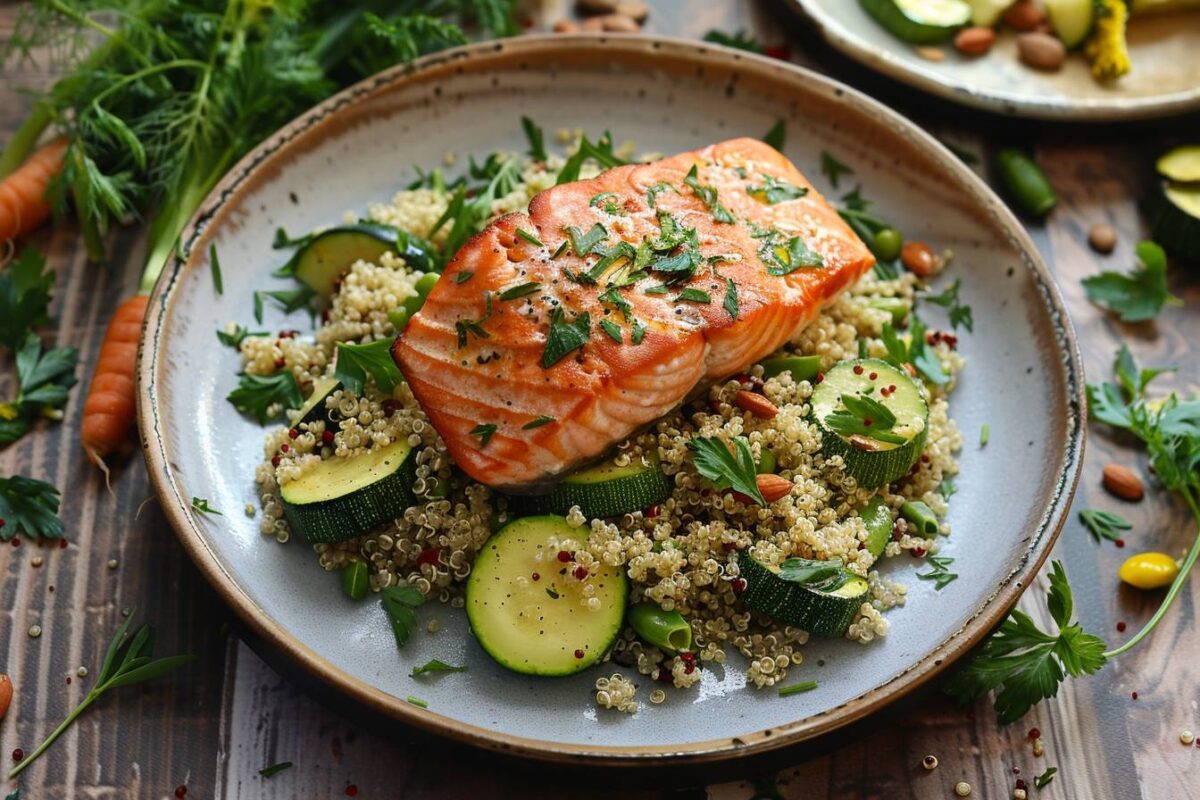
pixel 708 196
pixel 537 140
pixel 25 289
pixel 812 573
pixel 1026 664
pixel 775 191
pixel 741 40
pixel 727 470
pixel 939 572
pixel 784 259
pixel 275 769
pixel 690 295
pixel 236 338
pixel 777 135
pixel 584 243
pixel 565 337
pixel 613 330
pixel 201 505
pixel 256 394
pixel 833 169
pixel 1137 296
pixel 398 603
pixel 601 152
pixel 434 666
pixel 730 302
pixel 960 314
pixel 485 431
pixel 288 299
pixel 355 361
pixel 29 507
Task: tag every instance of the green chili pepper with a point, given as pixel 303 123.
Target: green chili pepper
pixel 922 516
pixel 1025 182
pixel 667 630
pixel 354 579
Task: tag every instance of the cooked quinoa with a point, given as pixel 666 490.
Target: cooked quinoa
pixel 680 554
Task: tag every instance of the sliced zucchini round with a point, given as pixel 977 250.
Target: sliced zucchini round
pixel 823 611
pixel 877 518
pixel 1180 164
pixel 985 13
pixel 803 368
pixel 314 407
pixel 605 490
pixel 542 625
pixel 920 21
pixel 341 498
pixel 329 254
pixel 874 453
pixel 1172 211
pixel 1072 20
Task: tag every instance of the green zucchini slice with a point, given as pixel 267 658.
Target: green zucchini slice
pixel 1172 211
pixel 1180 164
pixel 920 21
pixel 877 518
pixel 341 498
pixel 985 13
pixel 878 455
pixel 823 611
pixel 542 625
pixel 329 254
pixel 314 407
pixel 605 490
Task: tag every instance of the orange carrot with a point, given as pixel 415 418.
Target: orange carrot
pixel 23 203
pixel 108 413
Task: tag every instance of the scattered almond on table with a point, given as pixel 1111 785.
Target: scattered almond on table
pixel 1102 238
pixel 1122 482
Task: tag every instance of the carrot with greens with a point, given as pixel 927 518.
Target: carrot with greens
pixel 23 201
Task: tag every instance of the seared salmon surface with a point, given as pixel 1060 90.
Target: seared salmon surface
pixel 556 334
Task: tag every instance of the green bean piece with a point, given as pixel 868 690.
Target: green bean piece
pixel 667 630
pixel 1025 182
pixel 922 516
pixel 398 316
pixel 803 368
pixel 886 244
pixel 425 284
pixel 354 579
pixel 766 462
pixel 898 307
pixel 877 518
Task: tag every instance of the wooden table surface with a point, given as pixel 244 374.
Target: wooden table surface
pixel 212 727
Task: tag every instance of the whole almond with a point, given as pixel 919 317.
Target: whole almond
pixel 756 404
pixel 1123 483
pixel 1024 15
pixel 6 693
pixel 1041 51
pixel 975 41
pixel 773 487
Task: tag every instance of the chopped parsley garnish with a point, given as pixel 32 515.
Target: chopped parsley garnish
pixel 537 423
pixel 468 215
pixel 638 333
pixel 864 416
pixel 235 339
pixel 565 337
pixel 584 243
pixel 1041 780
pixel 612 296
pixel 833 169
pixel 398 602
pixel 784 259
pixel 601 152
pixel 464 276
pixel 1137 296
pixel 613 330
pixel 921 357
pixel 708 196
pixel 1104 524
pixel 947 488
pixel 939 572
pixel 608 203
pixel 1026 664
pixel 730 303
pixel 214 264
pixel 356 361
pixel 775 191
pixel 690 295
pixel 520 290
pixel 854 200
pixel 434 666
pixel 797 688
pixel 288 299
pixel 553 594
pixel 562 248
pixel 609 257
pixel 275 769
pixel 201 505
pixel 985 433
pixel 727 470
pixel 777 135
pixel 29 507
pixel 43 380
pixel 257 394
pixel 739 41
pixel 485 431
pixel 537 140
pixel 416 701
pixel 661 289
pixel 960 314
pixel 655 190
pixel 529 237
pixel 25 289
pixel 474 327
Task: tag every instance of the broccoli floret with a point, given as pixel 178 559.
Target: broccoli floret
pixel 1107 49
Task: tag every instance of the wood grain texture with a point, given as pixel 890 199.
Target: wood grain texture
pixel 214 726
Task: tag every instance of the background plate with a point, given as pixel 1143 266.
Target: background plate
pixel 1165 51
pixel 361 146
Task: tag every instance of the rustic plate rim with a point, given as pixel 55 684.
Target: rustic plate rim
pixel 176 505
pixel 1103 110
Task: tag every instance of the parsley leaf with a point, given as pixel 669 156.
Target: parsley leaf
pixel 275 769
pixel 730 303
pixel 1026 664
pixel 564 337
pixel 783 259
pixel 257 394
pixel 690 295
pixel 288 299
pixel 1137 296
pixel 777 135
pixel 833 169
pixel 638 333
pixel 398 603
pixel 727 470
pixel 356 361
pixel 485 431
pixel 939 572
pixel 43 380
pixel 29 507
pixel 708 196
pixel 435 666
pixel 236 338
pixel 466 327
pixel 613 330
pixel 923 358
pixel 608 202
pixel 960 314
pixel 25 289
pixel 612 296
pixel 775 191
pixel 1133 380
pixel 201 505
pixel 866 417
pixel 739 41
pixel 537 140
pixel 584 243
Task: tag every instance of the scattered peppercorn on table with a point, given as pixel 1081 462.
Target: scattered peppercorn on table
pixel 1125 732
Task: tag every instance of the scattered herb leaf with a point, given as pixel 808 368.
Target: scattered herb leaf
pixel 435 666
pixel 777 135
pixel 655 190
pixel 529 237
pixel 520 290
pixel 201 505
pixel 356 361
pixel 398 602
pixel 256 394
pixel 612 296
pixel 708 196
pixel 690 295
pixel 214 264
pixel 638 333
pixel 537 140
pixel 565 337
pixel 485 431
pixel 416 701
pixel 288 299
pixel 463 276
pixel 275 769
pixel 601 152
pixel 584 243
pixel 797 688
pixel 727 470
pixel 960 314
pixel 741 40
pixel 784 259
pixel 1041 780
pixel 25 289
pixel 774 191
pixel 812 573
pixel 833 169
pixel 985 433
pixel 537 423
pixel 1137 296
pixel 1104 524
pixel 939 572
pixel 730 303
pixel 239 334
pixel 29 507
pixel 613 330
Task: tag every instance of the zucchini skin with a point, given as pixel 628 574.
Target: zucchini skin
pixel 607 499
pixel 342 518
pixel 1177 231
pixel 818 613
pixel 897 23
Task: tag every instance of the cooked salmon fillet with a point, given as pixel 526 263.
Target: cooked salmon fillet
pixel 700 264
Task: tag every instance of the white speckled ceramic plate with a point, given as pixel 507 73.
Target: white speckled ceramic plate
pixel 1164 49
pixel 1024 379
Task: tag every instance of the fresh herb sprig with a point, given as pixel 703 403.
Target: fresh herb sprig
pixel 25 289
pixel 398 602
pixel 356 361
pixel 29 507
pixel 727 470
pixel 1104 525
pixel 128 662
pixel 266 396
pixel 960 313
pixel 1137 296
pixel 916 352
pixel 939 572
pixel 43 380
